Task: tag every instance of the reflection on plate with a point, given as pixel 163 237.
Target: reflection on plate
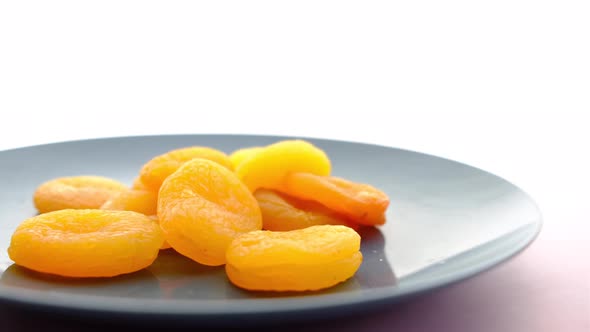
pixel 447 221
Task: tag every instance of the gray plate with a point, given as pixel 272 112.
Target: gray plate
pixel 447 221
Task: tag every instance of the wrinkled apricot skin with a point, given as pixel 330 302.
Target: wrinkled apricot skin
pixel 238 156
pixel 75 192
pixel 141 201
pixel 86 242
pixel 155 171
pixel 268 167
pixel 363 203
pixel 312 258
pixel 281 212
pixel 202 207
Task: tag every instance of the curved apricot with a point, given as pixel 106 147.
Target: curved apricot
pixel 202 207
pixel 361 202
pixel 141 201
pixel 155 171
pixel 311 258
pixel 75 192
pixel 268 167
pixel 86 242
pixel 281 212
pixel 238 156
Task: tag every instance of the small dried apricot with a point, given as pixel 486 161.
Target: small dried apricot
pixel 268 167
pixel 238 156
pixel 75 192
pixel 281 212
pixel 86 242
pixel 363 203
pixel 141 201
pixel 202 207
pixel 305 259
pixel 155 171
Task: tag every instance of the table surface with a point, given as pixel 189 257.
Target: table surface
pixel 503 87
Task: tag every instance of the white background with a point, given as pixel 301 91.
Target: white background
pixel 501 85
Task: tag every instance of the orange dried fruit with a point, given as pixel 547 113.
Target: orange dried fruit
pixel 86 242
pixel 363 203
pixel 155 171
pixel 281 212
pixel 138 185
pixel 238 156
pixel 75 192
pixel 311 258
pixel 141 201
pixel 165 245
pixel 202 207
pixel 268 167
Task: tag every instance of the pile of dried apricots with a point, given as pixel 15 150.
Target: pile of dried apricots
pixel 273 215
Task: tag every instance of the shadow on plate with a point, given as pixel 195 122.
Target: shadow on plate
pixel 182 278
pixel 140 284
pixel 376 271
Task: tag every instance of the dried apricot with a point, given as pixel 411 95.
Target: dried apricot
pixel 202 207
pixel 75 192
pixel 363 203
pixel 165 245
pixel 238 156
pixel 305 259
pixel 268 167
pixel 281 212
pixel 153 173
pixel 141 201
pixel 138 185
pixel 86 242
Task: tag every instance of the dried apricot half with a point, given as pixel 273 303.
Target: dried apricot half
pixel 202 207
pixel 311 258
pixel 141 201
pixel 153 173
pixel 238 156
pixel 363 203
pixel 281 212
pixel 75 192
pixel 86 242
pixel 268 167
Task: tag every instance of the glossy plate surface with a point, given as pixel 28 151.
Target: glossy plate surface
pixel 447 221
